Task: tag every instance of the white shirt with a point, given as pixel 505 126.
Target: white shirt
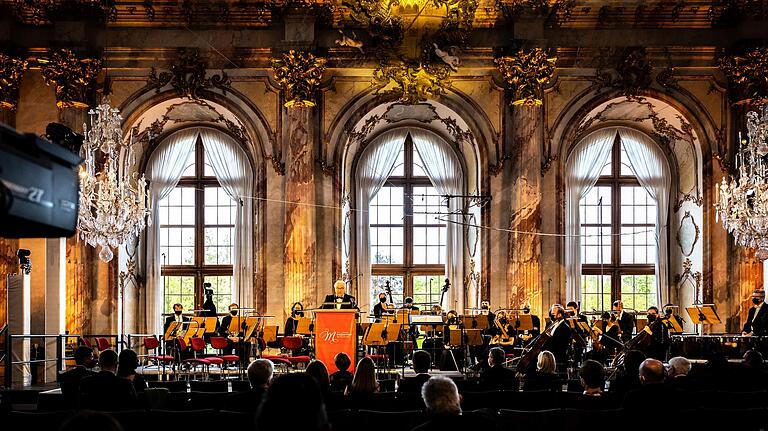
pixel 338 302
pixel 757 310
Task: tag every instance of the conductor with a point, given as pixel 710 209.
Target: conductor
pixel 340 299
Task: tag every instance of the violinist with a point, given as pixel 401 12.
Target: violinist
pixel 560 334
pixel 382 307
pixel 626 321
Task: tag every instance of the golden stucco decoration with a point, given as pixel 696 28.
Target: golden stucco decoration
pixel 410 84
pixel 526 73
pixel 11 69
pixel 298 73
pixel 747 75
pixel 72 77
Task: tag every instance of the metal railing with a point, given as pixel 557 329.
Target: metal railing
pixel 60 353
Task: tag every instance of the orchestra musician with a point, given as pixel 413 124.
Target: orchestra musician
pixel 408 304
pixel 339 299
pixel 175 317
pixel 536 322
pixel 413 330
pixel 626 320
pixel 297 312
pixel 227 320
pixel 382 307
pixel 572 310
pixel 560 334
pixel 485 309
pixel 659 336
pixel 757 319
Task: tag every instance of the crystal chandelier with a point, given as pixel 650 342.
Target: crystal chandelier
pixel 113 198
pixel 742 203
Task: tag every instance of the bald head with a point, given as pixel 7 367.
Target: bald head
pixel 651 371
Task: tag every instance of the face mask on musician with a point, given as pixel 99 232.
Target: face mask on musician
pixel 756 301
pixel 178 312
pixel 651 317
pixel 233 312
pixel 382 300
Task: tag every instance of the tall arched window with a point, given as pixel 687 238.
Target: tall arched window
pixel 408 240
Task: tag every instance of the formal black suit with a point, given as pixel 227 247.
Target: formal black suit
pixel 172 318
pixel 757 325
pixel 379 309
pixel 346 302
pixel 107 392
pixel 225 322
pixel 627 324
pixel 340 380
pixel 412 385
pixel 559 341
pixel 497 378
pixel 70 384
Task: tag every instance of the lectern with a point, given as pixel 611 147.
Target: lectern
pixel 335 332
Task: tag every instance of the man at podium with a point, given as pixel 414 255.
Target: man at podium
pixel 340 300
pixel 757 319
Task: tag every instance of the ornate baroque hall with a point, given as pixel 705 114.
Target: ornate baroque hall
pixel 419 214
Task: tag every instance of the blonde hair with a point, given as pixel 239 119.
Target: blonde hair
pixel 546 362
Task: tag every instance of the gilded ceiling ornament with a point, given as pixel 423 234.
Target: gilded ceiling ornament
pixel 11 69
pixel 559 10
pixel 526 74
pixel 187 76
pixel 410 84
pixel 747 76
pixel 634 72
pixel 73 77
pixel 298 73
pixel 43 12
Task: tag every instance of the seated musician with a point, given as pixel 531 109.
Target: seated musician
pixel 560 334
pixel 502 333
pixel 339 299
pixel 175 317
pixel 382 307
pixel 234 337
pixel 535 321
pixel 572 310
pixel 610 331
pixel 626 321
pixel 669 313
pixel 497 376
pixel 408 304
pixel 413 330
pixel 297 312
pixel 485 309
pixel 757 319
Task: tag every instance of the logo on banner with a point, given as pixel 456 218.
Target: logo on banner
pixel 334 336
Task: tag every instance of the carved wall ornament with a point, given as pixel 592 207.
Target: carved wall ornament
pixel 747 76
pixel 634 71
pixel 526 73
pixel 277 163
pixel 410 84
pixel 555 11
pixel 298 73
pixel 11 69
pixel 688 274
pixel 667 79
pixel 687 234
pixel 697 199
pixel 44 12
pixel 73 78
pixel 188 76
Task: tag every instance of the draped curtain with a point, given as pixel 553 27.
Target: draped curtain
pixel 650 166
pixel 374 167
pixel 444 170
pixel 164 169
pixel 581 173
pixel 232 169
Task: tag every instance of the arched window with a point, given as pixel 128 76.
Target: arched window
pixel 618 185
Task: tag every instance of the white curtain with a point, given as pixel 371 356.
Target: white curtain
pixel 581 173
pixel 650 166
pixel 232 169
pixel 374 167
pixel 444 170
pixel 164 168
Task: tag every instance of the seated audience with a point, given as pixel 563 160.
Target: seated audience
pixel 653 389
pixel 627 376
pixel 545 377
pixel 753 374
pixel 421 363
pixel 105 390
pixel 292 398
pixel 677 374
pixel 592 377
pixel 70 379
pixel 259 375
pixel 127 362
pixel 443 403
pixel 364 382
pixel 319 372
pixel 341 379
pixel 496 376
pixel 717 373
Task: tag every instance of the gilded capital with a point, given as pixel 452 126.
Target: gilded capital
pixel 526 73
pixel 11 69
pixel 298 73
pixel 72 77
pixel 747 76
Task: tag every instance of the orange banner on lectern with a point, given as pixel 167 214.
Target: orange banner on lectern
pixel 334 333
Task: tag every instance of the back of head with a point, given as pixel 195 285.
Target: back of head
pixel 342 361
pixel 90 420
pixel 441 396
pixel 82 354
pixel 260 373
pixel 679 366
pixel 651 371
pixel 128 361
pixel 108 360
pixel 592 374
pixel 319 372
pixel 364 380
pixel 421 361
pixel 546 362
pixel 497 355
pixel 753 359
pixel 283 396
pixel 632 361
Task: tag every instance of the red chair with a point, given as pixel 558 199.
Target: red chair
pixel 152 343
pixel 191 363
pixel 198 347
pixel 221 343
pixel 295 343
pixel 103 344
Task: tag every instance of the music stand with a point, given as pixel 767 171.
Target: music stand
pixel 303 327
pixel 523 322
pixel 473 337
pixel 209 323
pixel 704 314
pixel 584 326
pixel 270 333
pixel 374 335
pixel 170 333
pixel 673 325
pixel 478 321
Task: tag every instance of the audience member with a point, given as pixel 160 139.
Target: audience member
pixel 319 372
pixel 364 382
pixel 105 390
pixel 653 389
pixel 341 379
pixel 753 375
pixel 496 376
pixel 127 362
pixel 627 376
pixel 443 403
pixel 70 379
pixel 287 395
pixel 259 375
pixel 677 374
pixel 545 377
pixel 88 420
pixel 592 377
pixel 421 363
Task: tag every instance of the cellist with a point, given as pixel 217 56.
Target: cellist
pixel 560 334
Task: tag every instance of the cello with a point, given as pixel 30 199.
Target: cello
pixel 536 345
